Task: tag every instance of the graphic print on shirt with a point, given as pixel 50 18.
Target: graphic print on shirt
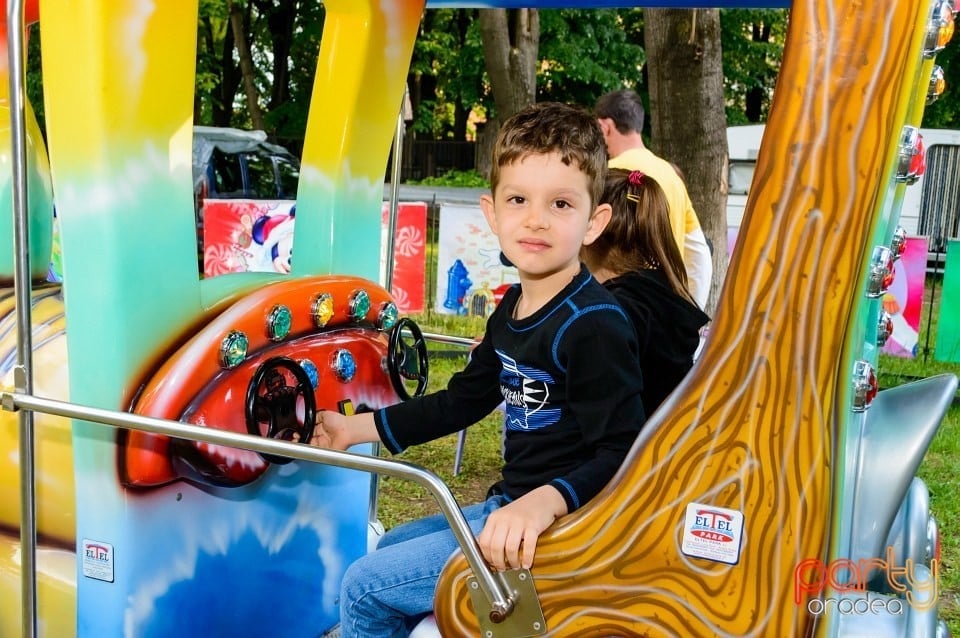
pixel 526 393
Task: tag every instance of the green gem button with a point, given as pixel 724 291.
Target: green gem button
pixel 279 322
pixel 359 305
pixel 233 349
pixel 388 315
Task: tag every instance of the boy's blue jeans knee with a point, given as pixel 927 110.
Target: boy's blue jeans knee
pixel 385 593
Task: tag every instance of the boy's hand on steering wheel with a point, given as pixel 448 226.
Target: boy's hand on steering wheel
pixel 336 431
pixel 330 431
pixel 509 538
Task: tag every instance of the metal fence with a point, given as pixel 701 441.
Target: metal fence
pixel 431 158
pixel 940 203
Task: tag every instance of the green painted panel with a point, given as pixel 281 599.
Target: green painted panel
pixel 948 325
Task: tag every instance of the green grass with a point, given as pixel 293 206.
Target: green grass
pixel 941 472
pixel 400 500
pixel 455 178
pixel 940 469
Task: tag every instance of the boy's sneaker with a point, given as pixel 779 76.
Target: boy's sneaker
pixel 333 632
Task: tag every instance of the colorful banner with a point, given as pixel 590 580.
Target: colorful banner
pixel 245 235
pixel 904 299
pixel 948 325
pixel 470 278
pixel 409 255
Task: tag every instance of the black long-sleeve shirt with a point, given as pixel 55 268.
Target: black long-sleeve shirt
pixel 570 379
pixel 668 330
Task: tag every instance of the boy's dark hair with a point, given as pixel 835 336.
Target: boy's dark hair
pixel 624 107
pixel 553 127
pixel 638 235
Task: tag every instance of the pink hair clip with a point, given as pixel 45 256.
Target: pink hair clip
pixel 635 178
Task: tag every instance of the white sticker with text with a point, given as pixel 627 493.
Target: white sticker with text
pixel 97 560
pixel 713 533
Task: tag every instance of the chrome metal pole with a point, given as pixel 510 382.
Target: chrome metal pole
pixel 466 342
pixel 388 276
pixel 23 375
pixel 395 173
pixel 489 583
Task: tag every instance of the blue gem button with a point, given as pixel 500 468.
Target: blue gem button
pixel 344 365
pixel 312 372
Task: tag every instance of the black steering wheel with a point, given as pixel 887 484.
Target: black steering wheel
pixel 271 406
pixel 407 358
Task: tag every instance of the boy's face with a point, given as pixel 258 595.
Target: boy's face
pixel 542 214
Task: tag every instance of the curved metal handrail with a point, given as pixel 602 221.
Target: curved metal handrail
pixel 466 342
pixel 491 586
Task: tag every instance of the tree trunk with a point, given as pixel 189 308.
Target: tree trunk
pixel 226 77
pixel 687 115
pixel 484 148
pixel 461 110
pixel 511 44
pixel 757 95
pixel 461 117
pixel 281 18
pixel 246 65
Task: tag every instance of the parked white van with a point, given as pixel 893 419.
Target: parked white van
pixel 931 206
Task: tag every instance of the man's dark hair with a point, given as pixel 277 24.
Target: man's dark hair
pixel 624 107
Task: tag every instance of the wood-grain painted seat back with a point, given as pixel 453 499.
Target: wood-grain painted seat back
pixel 759 424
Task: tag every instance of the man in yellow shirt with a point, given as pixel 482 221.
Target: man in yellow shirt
pixel 620 114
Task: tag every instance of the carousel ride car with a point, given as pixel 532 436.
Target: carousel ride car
pixel 774 468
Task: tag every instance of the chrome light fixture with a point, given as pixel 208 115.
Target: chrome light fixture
pixel 910 157
pixel 880 275
pixel 865 386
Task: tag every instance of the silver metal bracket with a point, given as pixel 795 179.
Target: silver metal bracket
pixel 525 620
pixel 20 378
pixel 19 385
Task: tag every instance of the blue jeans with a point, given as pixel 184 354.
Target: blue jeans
pixel 387 592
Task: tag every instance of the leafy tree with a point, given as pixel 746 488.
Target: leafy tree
pixel 586 52
pixel 265 52
pixel 511 40
pixel 753 42
pixel 34 83
pixel 217 76
pixel 291 33
pixel 945 112
pixel 583 53
pixel 447 74
pixel 240 19
pixel 752 50
pixel 511 44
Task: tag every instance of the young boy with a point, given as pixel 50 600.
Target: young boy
pixel 559 352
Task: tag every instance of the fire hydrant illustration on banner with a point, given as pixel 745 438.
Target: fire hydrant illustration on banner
pixel 458 283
